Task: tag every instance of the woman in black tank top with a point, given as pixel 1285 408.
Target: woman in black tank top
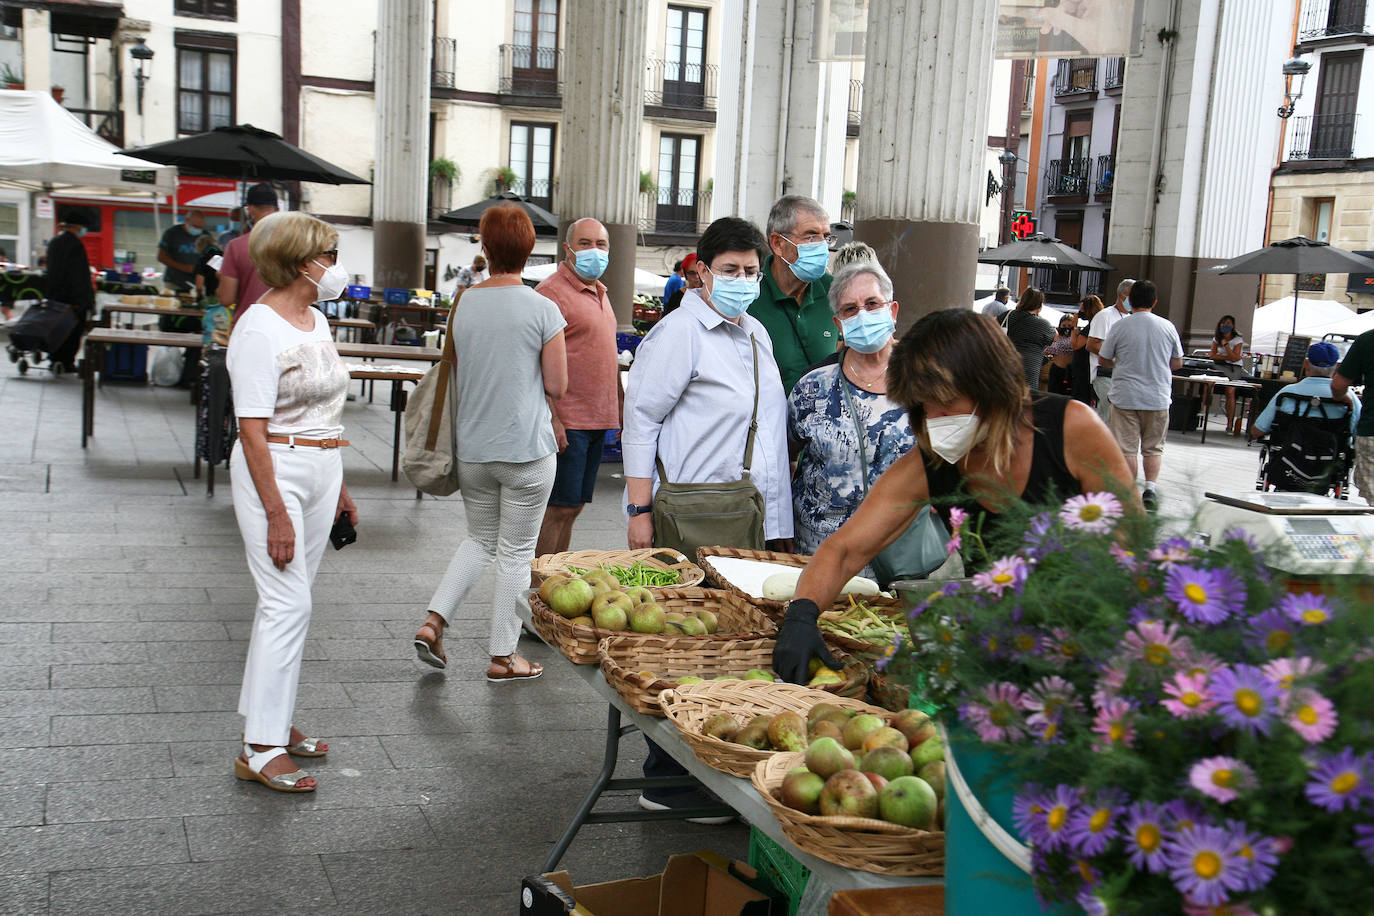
pixel 984 442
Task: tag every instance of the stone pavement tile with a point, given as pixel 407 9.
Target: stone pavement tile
pixel 77 700
pixel 22 895
pixel 127 631
pixel 215 758
pixel 25 731
pixel 22 805
pixel 147 841
pixel 139 727
pixel 225 697
pixel 143 672
pixel 287 831
pixel 428 881
pixel 282 884
pixel 24 677
pixel 206 650
pixel 61 595
pixel 350 671
pixel 387 648
pixel 72 654
pixel 25 632
pixel 86 764
pixel 543 692
pixel 43 612
pixel 539 757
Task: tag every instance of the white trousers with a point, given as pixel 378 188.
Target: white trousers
pixel 309 480
pixel 1102 386
pixel 505 504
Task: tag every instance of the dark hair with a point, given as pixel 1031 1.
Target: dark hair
pixel 677 265
pixel 730 233
pixel 1001 294
pixel 1031 300
pixel 1143 295
pixel 1223 320
pixel 1090 306
pixel 508 237
pixel 956 352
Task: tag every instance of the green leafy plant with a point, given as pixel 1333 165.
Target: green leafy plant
pixel 849 198
pixel 10 76
pixel 503 177
pixel 646 183
pixel 446 170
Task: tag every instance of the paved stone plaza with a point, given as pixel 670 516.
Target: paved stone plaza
pixel 124 615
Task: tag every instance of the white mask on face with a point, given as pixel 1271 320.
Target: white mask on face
pixel 952 437
pixel 333 282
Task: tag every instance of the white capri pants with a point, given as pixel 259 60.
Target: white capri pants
pixel 309 480
pixel 505 504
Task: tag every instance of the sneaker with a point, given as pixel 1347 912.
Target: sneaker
pixel 691 798
pixel 1151 500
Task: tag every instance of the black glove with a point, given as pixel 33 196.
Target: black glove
pixel 798 640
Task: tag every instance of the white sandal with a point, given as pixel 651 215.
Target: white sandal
pixel 251 770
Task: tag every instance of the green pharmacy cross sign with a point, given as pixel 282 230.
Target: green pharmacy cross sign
pixel 1022 224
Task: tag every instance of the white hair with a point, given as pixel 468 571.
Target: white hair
pixel 853 271
pixel 1124 287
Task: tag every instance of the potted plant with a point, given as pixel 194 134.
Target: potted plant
pixel 11 77
pixel 57 93
pixel 646 183
pixel 445 170
pixel 1179 732
pixel 503 178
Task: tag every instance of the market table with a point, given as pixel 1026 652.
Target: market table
pixel 352 326
pixel 374 351
pixel 826 877
pixel 93 360
pixel 106 311
pixel 1206 387
pixel 398 377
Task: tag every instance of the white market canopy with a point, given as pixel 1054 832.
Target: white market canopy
pixel 44 146
pixel 646 283
pixel 1274 321
pixel 1353 326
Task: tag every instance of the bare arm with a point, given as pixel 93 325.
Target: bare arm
pixel 281 534
pixel 1092 455
pixel 1094 344
pixel 1176 364
pixel 640 491
pixel 1340 387
pixel 164 258
pixel 228 290
pixel 553 360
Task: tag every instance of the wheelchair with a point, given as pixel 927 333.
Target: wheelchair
pixel 1309 449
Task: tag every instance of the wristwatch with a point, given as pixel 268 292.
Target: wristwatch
pixel 638 510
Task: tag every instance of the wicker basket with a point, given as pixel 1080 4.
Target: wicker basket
pixel 854 842
pixel 688 706
pixel 625 662
pixel 556 564
pixel 734 616
pixel 774 608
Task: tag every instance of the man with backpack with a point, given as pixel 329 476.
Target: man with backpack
pixel 1306 457
pixel 1317 370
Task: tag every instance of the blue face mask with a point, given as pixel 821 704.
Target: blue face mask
pixel 1226 329
pixel 812 260
pixel 732 296
pixel 591 262
pixel 194 231
pixel 869 332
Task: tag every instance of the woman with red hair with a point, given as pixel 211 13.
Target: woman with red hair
pixel 511 364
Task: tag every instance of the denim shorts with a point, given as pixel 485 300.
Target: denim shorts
pixel 575 480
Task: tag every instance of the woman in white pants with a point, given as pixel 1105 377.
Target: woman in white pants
pixel 287 476
pixel 511 363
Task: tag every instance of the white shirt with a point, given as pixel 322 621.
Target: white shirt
pixel 1102 323
pixel 688 400
pixel 1142 345
pixel 293 377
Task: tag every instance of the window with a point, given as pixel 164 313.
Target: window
pixel 1321 210
pixel 1333 123
pixel 9 231
pixel 1068 228
pixel 684 58
pixel 208 9
pixel 205 81
pixel 535 54
pixel 1078 130
pixel 677 183
pixel 135 233
pixel 531 159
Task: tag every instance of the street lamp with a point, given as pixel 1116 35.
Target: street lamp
pixel 1291 68
pixel 143 54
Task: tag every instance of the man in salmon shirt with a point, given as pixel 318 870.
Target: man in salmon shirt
pixel 591 405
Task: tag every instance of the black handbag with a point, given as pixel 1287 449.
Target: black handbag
pixel 44 326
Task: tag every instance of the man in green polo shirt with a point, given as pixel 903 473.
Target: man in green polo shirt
pixel 793 299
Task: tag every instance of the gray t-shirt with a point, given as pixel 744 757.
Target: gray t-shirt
pixel 499 333
pixel 1142 344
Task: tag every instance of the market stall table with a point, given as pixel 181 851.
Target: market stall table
pixel 1204 387
pixel 398 377
pixel 107 312
pixel 93 361
pixel 352 326
pixel 739 794
pixel 374 351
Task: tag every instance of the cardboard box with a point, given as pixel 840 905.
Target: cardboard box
pixel 690 885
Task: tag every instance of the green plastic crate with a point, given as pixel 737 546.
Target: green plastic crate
pixel 775 866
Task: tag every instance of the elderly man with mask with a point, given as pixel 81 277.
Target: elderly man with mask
pixel 176 251
pixel 793 303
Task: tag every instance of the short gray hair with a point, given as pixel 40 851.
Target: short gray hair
pixel 1323 371
pixel 783 217
pixel 1124 287
pixel 852 252
pixel 573 225
pixel 851 272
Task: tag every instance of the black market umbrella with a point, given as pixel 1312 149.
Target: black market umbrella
pixel 471 215
pixel 1040 250
pixel 245 153
pixel 1296 256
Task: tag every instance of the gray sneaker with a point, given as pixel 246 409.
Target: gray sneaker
pixel 1150 500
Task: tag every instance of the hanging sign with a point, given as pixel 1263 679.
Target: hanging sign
pixel 1069 28
pixel 1022 224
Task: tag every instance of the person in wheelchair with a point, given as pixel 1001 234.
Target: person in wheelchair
pixel 1311 441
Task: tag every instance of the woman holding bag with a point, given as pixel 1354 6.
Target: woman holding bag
pixel 511 363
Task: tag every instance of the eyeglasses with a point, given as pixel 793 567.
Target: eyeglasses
pixel 811 238
pixel 868 305
pixel 736 273
pixel 332 254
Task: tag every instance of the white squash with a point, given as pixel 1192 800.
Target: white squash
pixel 782 586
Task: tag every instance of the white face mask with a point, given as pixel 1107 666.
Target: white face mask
pixel 952 437
pixel 332 284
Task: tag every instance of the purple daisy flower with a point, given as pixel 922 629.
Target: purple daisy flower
pixel 1045 729
pixel 1311 715
pixel 1172 551
pixel 957 517
pixel 1246 698
pixel 1189 696
pixel 1219 778
pixel 1028 813
pixel 1271 631
pixel 1259 852
pixel 1196 661
pixel 1006 573
pixel 1060 647
pixel 1181 814
pixel 1240 534
pixel 1023 641
pixel 1144 832
pixel 1155 645
pixel 1285 672
pixel 1126 559
pixel 1060 803
pixel 1308 610
pixel 1204 595
pixel 1093 512
pixel 1093 827
pixel 1113 725
pixel 1340 782
pixel 996 714
pixel 1092 904
pixel 1364 841
pixel 1205 866
pixel 1050 697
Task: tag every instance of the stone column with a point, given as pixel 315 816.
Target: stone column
pixel 37 50
pixel 927 74
pixel 603 113
pixel 401 174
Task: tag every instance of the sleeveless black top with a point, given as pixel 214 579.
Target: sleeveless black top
pixel 1049 480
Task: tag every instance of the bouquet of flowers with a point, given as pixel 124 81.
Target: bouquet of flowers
pixel 1184 734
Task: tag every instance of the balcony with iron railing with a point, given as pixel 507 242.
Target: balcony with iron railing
pixel 666 211
pixel 1115 77
pixel 1329 136
pixel 1075 76
pixel 538 191
pixel 686 87
pixel 533 75
pixel 1066 286
pixel 1322 19
pixel 1106 175
pixel 107 124
pixel 444 68
pixel 1068 177
pixel 855 107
